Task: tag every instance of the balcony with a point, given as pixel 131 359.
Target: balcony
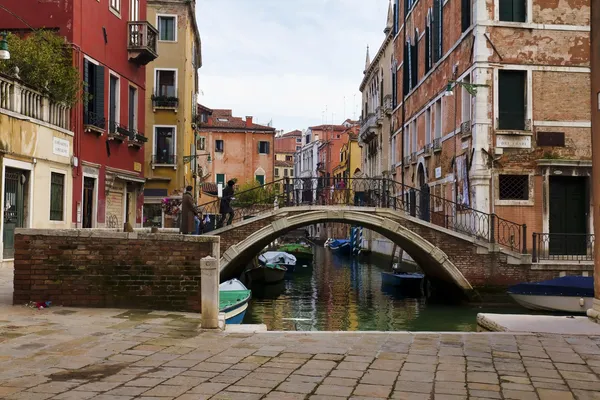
pixel 93 123
pixel 117 132
pixel 161 102
pixel 370 126
pixel 387 104
pixel 437 145
pixel 141 42
pixel 136 139
pixel 163 159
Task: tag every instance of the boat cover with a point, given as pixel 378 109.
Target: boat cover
pixel 277 257
pixel 576 286
pixel 335 243
pixel 232 284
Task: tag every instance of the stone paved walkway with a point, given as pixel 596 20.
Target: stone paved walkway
pixel 64 353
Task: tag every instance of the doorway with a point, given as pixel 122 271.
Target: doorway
pixel 14 208
pixel 130 205
pixel 89 184
pixel 568 215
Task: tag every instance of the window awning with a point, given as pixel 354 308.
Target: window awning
pixel 131 179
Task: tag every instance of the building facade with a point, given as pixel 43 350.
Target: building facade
pixel 490 113
pixel 377 89
pixel 332 138
pixel 171 108
pixel 37 148
pixel 238 149
pixel 112 42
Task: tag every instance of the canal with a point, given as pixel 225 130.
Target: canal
pixel 340 293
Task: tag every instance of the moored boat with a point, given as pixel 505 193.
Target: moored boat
pixel 280 258
pixel 268 273
pixel 302 252
pixel 233 300
pixel 572 294
pixel 340 246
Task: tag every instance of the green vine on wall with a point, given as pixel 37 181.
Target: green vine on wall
pixel 44 61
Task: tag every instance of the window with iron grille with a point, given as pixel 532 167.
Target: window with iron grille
pixel 513 187
pixel 57 191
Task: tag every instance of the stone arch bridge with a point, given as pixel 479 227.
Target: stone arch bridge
pixel 454 244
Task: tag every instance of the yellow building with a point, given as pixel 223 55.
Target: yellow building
pixel 36 143
pixel 350 159
pixel 172 87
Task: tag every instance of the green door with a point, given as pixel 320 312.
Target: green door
pixel 568 215
pixel 221 179
pixel 13 208
pixel 260 179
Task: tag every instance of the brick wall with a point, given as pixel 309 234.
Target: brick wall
pixel 102 268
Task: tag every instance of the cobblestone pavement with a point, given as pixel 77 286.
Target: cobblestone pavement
pixel 64 353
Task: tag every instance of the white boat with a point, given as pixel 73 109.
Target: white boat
pixel 278 258
pixel 570 294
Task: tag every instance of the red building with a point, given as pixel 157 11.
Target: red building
pixel 288 143
pixel 332 139
pixel 111 44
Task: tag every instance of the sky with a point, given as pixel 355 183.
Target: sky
pixel 287 60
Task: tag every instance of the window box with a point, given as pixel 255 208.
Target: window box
pixel 165 102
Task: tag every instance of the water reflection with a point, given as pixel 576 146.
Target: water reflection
pixel 341 293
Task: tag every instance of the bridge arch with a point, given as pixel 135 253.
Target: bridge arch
pixel 432 259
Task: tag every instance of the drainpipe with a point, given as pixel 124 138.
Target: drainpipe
pixel 403 102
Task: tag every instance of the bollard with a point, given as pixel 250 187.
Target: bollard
pixel 209 267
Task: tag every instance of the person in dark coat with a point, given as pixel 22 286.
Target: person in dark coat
pixel 188 212
pixel 225 208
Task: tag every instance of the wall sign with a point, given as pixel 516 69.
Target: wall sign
pixel 438 172
pixel 513 141
pixel 60 147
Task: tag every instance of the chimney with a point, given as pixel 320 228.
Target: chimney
pixel 248 121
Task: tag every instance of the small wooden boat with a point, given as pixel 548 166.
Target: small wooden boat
pixel 340 246
pixel 268 273
pixel 280 258
pixel 233 300
pixel 302 252
pixel 572 294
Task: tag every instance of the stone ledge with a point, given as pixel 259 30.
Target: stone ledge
pixel 115 234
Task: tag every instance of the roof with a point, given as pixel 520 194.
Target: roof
pixel 292 133
pixel 223 119
pixel 328 127
pixel 280 163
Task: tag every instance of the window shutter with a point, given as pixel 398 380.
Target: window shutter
pixel 397 16
pixel 268 147
pixel 427 53
pixel 99 93
pixel 434 25
pixel 518 8
pixel 465 14
pixel 415 61
pixel 87 86
pixel 506 10
pixel 405 8
pixel 511 100
pixel 440 28
pixel 405 71
pixel 410 65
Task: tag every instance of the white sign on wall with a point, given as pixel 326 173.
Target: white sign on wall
pixel 60 147
pixel 514 141
pixel 438 172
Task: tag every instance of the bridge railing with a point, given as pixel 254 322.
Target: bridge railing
pixel 377 192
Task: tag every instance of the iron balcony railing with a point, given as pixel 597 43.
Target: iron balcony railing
pixel 164 159
pixel 93 119
pixel 162 101
pixel 141 42
pixel 562 247
pixel 381 193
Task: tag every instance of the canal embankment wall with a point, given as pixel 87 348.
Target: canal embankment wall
pixel 107 268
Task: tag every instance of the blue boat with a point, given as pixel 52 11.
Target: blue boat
pixel 233 301
pixel 571 294
pixel 340 246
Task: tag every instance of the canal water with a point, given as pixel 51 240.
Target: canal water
pixel 340 293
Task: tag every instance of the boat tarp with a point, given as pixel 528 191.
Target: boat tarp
pixel 576 286
pixel 277 257
pixel 230 298
pixel 232 284
pixel 295 248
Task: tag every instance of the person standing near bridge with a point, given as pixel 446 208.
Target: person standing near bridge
pixel 225 208
pixel 359 184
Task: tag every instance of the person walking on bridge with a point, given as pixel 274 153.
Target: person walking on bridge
pixel 359 185
pixel 225 207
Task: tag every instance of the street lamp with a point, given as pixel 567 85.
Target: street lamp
pixel 4 53
pixel 471 88
pixel 188 159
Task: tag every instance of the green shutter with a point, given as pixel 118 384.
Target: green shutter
pixel 221 179
pixel 99 93
pixel 511 99
pixel 518 7
pixel 86 88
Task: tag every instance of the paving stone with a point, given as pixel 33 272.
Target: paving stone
pixel 112 397
pixel 484 394
pixel 517 386
pixel 456 388
pixel 450 376
pixel 416 376
pixel 75 395
pixel 30 396
pixel 519 394
pixel 235 396
pixel 304 379
pixel 53 387
pixel 586 395
pixel 167 390
pixel 584 385
pixel 547 394
pixel 290 387
pixel 410 386
pixel 579 376
pixel 411 366
pixel 353 366
pixel 98 386
pixel 145 382
pixel 515 379
pixel 386 365
pixel 320 397
pixel 340 381
pixel 320 364
pixel 410 396
pixel 483 386
pixel 208 388
pixel 376 377
pixel 248 389
pixel 332 390
pixel 127 391
pixel 378 391
pixel 482 377
pixel 276 395
pixel 7 390
pixel 330 357
pixel 450 397
pixel 359 359
pixel 571 367
pixel 343 373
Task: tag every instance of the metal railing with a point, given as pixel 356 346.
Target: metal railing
pixel 142 36
pixel 93 119
pixel 163 159
pixel 381 193
pixel 21 99
pixel 161 101
pixel 562 247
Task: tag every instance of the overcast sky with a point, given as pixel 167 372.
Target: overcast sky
pixel 287 60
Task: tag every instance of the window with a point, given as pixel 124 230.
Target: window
pixel 298 148
pixel 132 117
pixel 413 131
pixel 466 101
pixel 166 83
pixel 396 16
pixel 405 70
pixel 512 10
pixel 219 146
pixel 152 215
pixel 93 76
pixel 291 172
pixel 164 145
pixel 437 36
pixel 513 187
pixel 263 147
pixel 260 179
pixel 289 158
pixel 511 99
pixel 465 14
pixel 166 28
pixel 113 103
pixel 414 66
pixel 285 172
pixel 201 143
pixel 57 195
pixel 134 10
pixel 428 62
pixel 298 140
pixel 115 5
pixel 428 126
pixel 405 140
pixel 277 172
pixel 220 179
pixel 438 119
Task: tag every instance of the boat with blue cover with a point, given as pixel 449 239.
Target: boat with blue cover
pixel 571 294
pixel 340 246
pixel 233 300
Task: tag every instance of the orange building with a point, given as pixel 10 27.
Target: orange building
pixel 332 138
pixel 235 148
pixel 288 143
